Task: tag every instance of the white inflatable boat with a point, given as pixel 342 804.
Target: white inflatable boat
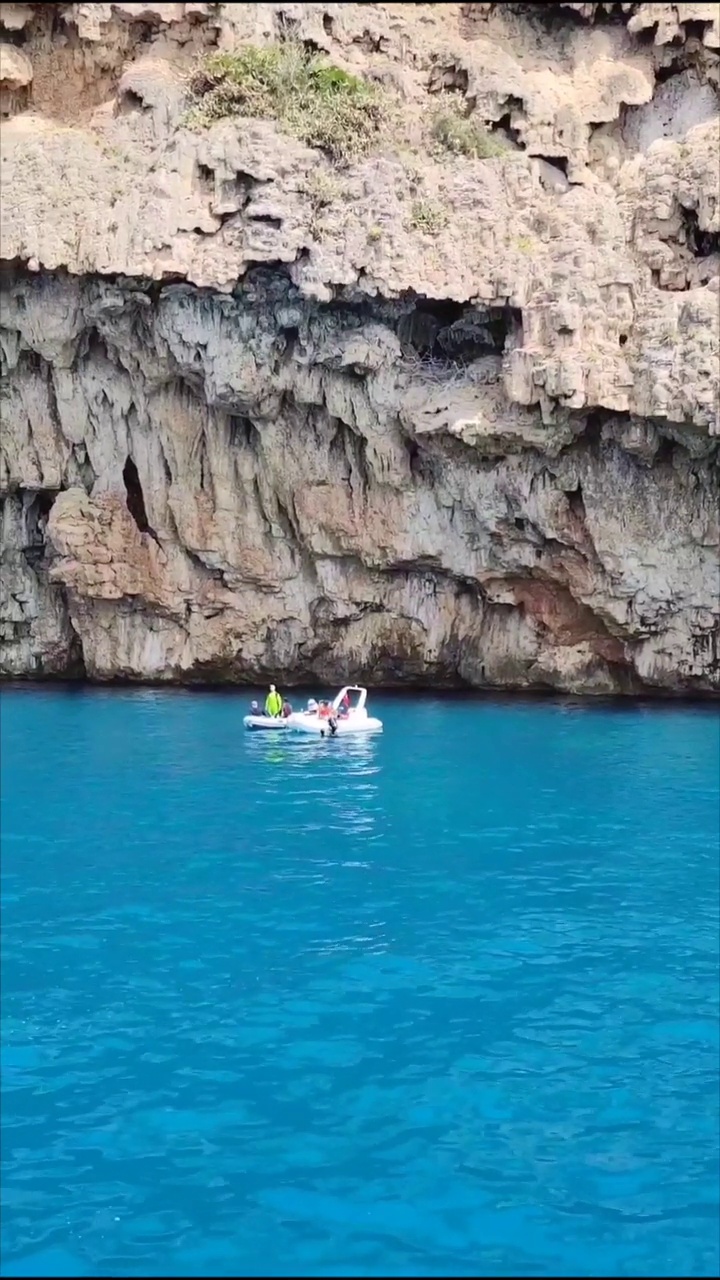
pixel 340 722
pixel 265 722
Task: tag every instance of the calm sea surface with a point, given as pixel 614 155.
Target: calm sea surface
pixel 443 1002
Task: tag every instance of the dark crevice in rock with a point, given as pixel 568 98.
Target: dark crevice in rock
pixel 291 336
pixel 286 23
pixel 227 216
pixel 706 649
pixel 128 102
pixel 665 452
pixel 287 519
pixel 205 177
pixel 695 28
pixel 369 42
pixel 207 571
pixel 414 460
pixel 594 424
pixel 37 504
pixel 554 18
pixel 610 15
pixel 10 36
pixel 576 502
pixel 646 36
pixel 448 78
pixel 266 218
pixel 556 162
pixel 348 450
pixel 702 244
pixel 678 62
pixel 444 330
pixel 243 431
pixel 505 127
pixel 74 667
pixel 135 499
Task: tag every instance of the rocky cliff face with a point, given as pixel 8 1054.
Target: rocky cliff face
pixel 433 415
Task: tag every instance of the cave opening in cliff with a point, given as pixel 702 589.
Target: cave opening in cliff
pixel 37 510
pixel 555 162
pixel 135 497
pixel 608 13
pixel 702 244
pixel 291 337
pixel 554 18
pixel 665 452
pixel 18 38
pixel 576 502
pixel 147 28
pixel 128 102
pixel 243 431
pixel 505 127
pixel 443 331
pixel 695 28
pixel 594 424
pixel 684 59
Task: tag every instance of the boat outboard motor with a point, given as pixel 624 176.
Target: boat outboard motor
pixel 332 725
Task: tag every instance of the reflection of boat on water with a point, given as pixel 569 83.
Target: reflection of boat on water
pixel 356 755
pixel 346 718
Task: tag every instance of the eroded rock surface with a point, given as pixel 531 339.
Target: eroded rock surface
pixel 425 418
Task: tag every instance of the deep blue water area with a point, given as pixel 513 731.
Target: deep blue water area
pixel 440 1002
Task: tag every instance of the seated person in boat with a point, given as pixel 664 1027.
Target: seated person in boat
pixel 255 709
pixel 286 710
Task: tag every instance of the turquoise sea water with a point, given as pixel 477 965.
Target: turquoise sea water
pixel 443 1002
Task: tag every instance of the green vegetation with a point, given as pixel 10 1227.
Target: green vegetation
pixel 465 137
pixel 309 98
pixel 428 217
pixel 322 189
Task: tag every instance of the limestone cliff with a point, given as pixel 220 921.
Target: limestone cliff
pixel 439 412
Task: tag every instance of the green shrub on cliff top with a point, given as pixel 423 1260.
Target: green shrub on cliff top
pixel 309 98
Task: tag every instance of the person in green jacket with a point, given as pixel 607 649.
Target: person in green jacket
pixel 273 703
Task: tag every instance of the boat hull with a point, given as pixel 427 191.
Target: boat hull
pixel 264 722
pixel 319 728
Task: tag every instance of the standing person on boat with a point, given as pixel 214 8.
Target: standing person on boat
pixel 273 703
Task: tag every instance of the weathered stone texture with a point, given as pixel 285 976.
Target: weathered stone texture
pixel 255 420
